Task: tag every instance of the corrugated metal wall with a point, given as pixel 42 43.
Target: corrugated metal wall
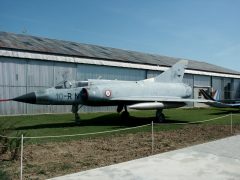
pixel 151 73
pixel 202 81
pixel 12 83
pixel 40 73
pixel 85 72
pixel 13 72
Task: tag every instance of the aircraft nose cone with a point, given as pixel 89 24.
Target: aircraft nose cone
pixel 27 98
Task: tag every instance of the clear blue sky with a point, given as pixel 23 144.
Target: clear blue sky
pixel 204 30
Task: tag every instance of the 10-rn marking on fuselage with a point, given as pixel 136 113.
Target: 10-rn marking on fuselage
pixel 61 96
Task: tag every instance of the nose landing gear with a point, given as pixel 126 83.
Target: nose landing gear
pixel 75 109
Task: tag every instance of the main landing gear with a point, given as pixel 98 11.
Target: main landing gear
pixel 75 109
pixel 125 113
pixel 160 117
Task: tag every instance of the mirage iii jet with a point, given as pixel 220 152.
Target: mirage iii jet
pixel 161 92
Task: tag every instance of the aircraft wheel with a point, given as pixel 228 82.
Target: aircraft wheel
pixel 160 117
pixel 125 115
pixel 77 118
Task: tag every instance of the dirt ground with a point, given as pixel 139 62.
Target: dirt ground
pixel 53 159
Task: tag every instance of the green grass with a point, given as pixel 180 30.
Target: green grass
pixel 62 124
pixel 4 175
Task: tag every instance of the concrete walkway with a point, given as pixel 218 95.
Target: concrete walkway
pixel 217 160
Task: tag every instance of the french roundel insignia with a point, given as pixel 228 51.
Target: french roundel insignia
pixel 108 93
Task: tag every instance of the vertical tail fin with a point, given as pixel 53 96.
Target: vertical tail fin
pixel 174 74
pixel 217 95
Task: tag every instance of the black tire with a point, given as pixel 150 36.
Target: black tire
pixel 125 115
pixel 77 119
pixel 160 117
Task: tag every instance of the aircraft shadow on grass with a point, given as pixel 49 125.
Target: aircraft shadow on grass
pixel 226 112
pixel 107 120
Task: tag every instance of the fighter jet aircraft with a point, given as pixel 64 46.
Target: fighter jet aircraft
pixel 161 92
pixel 216 102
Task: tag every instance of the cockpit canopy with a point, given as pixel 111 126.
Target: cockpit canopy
pixel 71 84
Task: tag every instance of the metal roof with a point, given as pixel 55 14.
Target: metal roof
pixel 26 43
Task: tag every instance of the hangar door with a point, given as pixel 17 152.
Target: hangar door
pixel 12 84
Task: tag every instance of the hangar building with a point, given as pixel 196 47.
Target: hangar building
pixel 29 63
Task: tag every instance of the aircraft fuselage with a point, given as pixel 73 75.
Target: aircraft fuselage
pixel 105 93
